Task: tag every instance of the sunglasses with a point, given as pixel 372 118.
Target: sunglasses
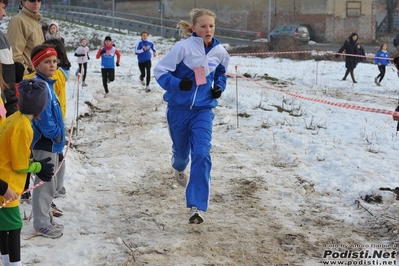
pixel 32 1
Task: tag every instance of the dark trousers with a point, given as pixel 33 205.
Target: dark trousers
pixel 85 70
pixel 145 67
pixel 382 70
pixel 27 182
pixel 108 75
pixel 10 243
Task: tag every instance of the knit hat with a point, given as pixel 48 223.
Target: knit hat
pixel 108 38
pixel 53 23
pixel 33 96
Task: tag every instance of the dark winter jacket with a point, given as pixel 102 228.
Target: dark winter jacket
pixel 3 187
pixel 8 72
pixel 349 47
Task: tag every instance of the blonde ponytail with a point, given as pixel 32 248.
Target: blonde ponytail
pixel 185 27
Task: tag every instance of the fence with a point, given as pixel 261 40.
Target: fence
pixel 132 22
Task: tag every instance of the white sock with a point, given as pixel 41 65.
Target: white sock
pixel 6 260
pixel 18 263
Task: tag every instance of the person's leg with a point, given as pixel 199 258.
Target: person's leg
pixel 60 176
pixel 352 76
pixel 346 74
pixel 85 71
pixel 10 235
pixel 382 72
pixel 104 75
pixel 148 72
pixel 43 195
pixel 111 74
pixel 179 133
pixel 14 245
pixel 198 188
pixel 80 68
pixel 142 71
pixel 4 248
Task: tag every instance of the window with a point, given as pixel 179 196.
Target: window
pixel 353 8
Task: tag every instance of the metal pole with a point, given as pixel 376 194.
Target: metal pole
pixel 113 14
pixel 162 20
pixel 237 95
pixel 270 13
pixel 77 101
pixel 161 10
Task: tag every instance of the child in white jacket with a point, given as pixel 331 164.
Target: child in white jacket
pixel 82 53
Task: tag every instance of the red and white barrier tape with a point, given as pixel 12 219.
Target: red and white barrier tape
pixel 308 52
pixel 341 105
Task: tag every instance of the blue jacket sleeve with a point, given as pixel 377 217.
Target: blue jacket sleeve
pixel 376 57
pixel 47 125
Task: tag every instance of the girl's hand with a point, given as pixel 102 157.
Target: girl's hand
pixel 10 195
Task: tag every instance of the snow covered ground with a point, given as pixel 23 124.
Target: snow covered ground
pixel 289 175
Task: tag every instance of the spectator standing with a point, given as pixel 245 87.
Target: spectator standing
pixel 48 141
pixel 82 53
pixel 7 68
pixel 15 139
pixel 107 54
pixel 396 42
pixel 53 32
pixel 349 47
pixel 382 60
pixel 3 111
pixel 193 75
pixel 61 75
pixel 143 51
pixel 24 32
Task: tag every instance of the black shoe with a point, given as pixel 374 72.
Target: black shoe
pixel 26 197
pixel 354 81
pixel 55 211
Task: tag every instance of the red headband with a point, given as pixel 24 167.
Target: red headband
pixel 42 55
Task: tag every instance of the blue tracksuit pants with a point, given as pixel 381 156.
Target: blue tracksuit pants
pixel 191 133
